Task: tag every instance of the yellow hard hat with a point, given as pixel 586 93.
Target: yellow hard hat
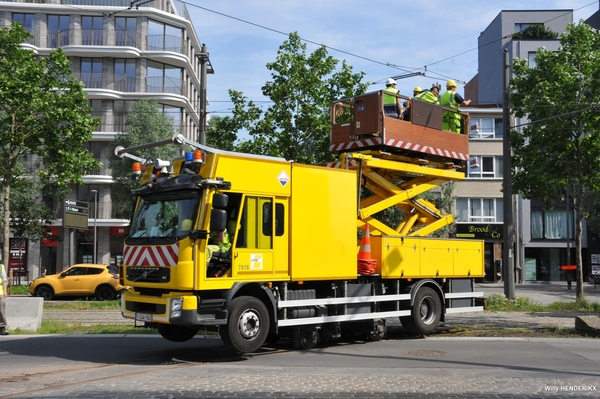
pixel 450 83
pixel 186 224
pixel 417 89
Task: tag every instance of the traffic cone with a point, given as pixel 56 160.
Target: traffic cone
pixel 365 244
pixel 366 265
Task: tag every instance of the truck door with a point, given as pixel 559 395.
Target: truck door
pixel 257 240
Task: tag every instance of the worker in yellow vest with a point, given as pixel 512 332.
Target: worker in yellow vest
pixel 451 121
pixel 391 104
pixel 431 95
pixel 219 243
pixel 3 295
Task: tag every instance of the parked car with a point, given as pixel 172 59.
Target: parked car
pixel 83 279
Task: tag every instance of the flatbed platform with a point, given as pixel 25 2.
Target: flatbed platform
pixel 359 123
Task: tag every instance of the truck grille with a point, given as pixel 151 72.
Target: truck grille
pixel 148 274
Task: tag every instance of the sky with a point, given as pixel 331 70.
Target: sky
pixel 382 38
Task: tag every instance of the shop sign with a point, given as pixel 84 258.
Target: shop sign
pixel 51 236
pixel 75 214
pixel 479 231
pixel 17 256
pixel 118 231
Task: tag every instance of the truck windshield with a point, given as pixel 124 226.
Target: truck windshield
pixel 160 220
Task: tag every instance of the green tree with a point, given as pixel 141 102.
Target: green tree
pixel 535 32
pixel 145 124
pixel 591 206
pixel 303 86
pixel 561 146
pixel 220 133
pixel 43 113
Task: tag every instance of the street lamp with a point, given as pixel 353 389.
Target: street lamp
pixel 95 225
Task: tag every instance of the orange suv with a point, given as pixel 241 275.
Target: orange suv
pixel 84 279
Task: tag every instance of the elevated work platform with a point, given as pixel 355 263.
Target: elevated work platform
pixel 359 123
pixel 397 181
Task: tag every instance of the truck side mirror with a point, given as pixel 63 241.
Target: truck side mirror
pixel 218 220
pixel 220 201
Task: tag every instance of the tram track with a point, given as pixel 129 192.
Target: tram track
pixel 72 372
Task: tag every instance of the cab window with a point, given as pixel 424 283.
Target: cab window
pixel 256 224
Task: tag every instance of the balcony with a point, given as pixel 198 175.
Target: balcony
pixel 130 84
pixel 59 39
pixel 92 37
pixel 165 43
pixel 165 84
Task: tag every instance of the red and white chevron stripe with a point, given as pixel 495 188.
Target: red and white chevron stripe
pixel 352 145
pixel 157 255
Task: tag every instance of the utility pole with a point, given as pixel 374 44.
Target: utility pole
pixel 508 263
pixel 95 254
pixel 205 69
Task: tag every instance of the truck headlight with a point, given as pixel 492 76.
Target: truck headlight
pixel 176 305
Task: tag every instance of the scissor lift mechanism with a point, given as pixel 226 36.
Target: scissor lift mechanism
pixel 396 181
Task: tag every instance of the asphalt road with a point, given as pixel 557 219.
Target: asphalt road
pixel 149 367
pixel 142 366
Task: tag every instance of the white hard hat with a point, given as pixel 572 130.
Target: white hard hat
pixel 390 82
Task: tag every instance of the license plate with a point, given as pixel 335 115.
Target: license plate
pixel 143 317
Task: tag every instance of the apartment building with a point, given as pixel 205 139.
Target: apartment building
pixel 123 51
pixel 542 237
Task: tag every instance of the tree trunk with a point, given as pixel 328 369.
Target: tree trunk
pixel 578 234
pixel 6 224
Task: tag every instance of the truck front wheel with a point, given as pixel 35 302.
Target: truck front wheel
pixel 426 313
pixel 248 325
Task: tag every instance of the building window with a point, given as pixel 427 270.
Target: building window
pixel 96 106
pixel 163 78
pixel 91 31
pixel 126 31
pixel 125 75
pixel 521 27
pixel 163 37
pixel 91 72
pixel 479 210
pixel 482 167
pixel 550 224
pixel 531 59
pixel 172 112
pixel 58 30
pixel 121 109
pixel 27 21
pixel 485 128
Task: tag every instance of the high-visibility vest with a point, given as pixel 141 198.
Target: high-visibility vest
pixel 448 100
pixel 225 245
pixel 2 274
pixel 390 100
pixel 428 97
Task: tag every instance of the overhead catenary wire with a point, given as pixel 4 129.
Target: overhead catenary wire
pixel 409 70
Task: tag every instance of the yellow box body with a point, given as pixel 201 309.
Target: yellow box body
pixel 320 221
pixel 319 236
pixel 323 223
pixel 416 257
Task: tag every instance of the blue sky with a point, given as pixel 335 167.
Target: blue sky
pixel 379 33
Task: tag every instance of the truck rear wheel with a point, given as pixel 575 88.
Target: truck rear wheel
pixel 426 313
pixel 248 325
pixel 176 333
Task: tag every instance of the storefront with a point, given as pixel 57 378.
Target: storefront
pixel 491 234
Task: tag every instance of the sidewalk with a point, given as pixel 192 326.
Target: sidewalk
pixel 543 293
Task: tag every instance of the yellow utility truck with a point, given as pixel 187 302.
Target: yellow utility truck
pixel 289 266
